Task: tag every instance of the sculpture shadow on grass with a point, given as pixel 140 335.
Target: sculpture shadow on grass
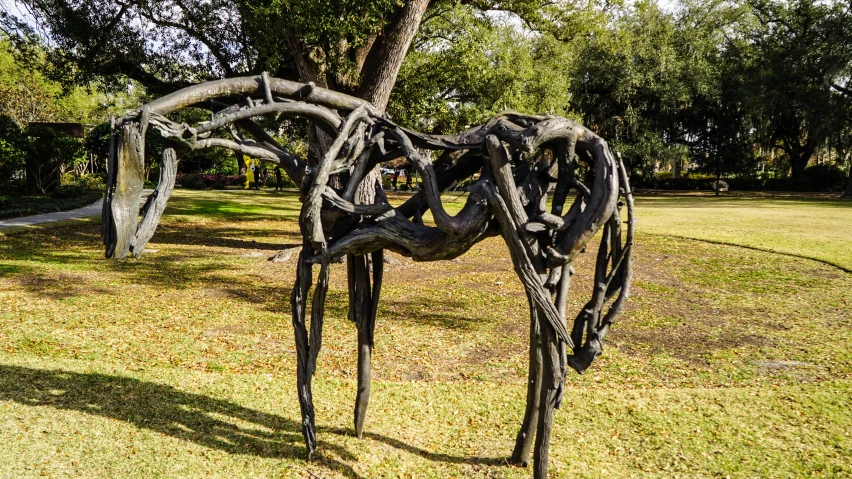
pixel 206 421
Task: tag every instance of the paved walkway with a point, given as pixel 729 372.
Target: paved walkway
pixel 85 212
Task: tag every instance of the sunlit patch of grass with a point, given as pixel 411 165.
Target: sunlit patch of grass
pixel 727 361
pixel 817 228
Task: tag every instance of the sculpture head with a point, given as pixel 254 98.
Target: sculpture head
pixel 122 228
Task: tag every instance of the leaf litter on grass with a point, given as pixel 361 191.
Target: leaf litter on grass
pixel 708 323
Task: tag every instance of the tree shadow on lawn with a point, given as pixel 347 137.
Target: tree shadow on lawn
pixel 206 421
pixel 224 237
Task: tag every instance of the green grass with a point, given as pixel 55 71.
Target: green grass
pixel 729 361
pixel 816 228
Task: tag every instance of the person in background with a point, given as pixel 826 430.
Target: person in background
pixel 278 179
pixel 394 177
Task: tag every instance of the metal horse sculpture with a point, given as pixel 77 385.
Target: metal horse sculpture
pixel 346 214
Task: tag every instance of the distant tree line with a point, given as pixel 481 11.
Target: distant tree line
pixel 756 91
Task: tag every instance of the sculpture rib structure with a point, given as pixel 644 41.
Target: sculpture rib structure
pixel 522 158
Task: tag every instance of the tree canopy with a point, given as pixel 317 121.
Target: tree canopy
pixel 755 88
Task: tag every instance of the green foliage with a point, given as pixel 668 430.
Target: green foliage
pixel 92 182
pixel 824 177
pixel 729 88
pixel 13 148
pixel 797 49
pixel 50 154
pixel 27 95
pixel 695 86
pixel 97 143
pixel 192 182
pixel 467 66
pixel 286 182
pixel 330 33
pixel 70 191
pixel 165 44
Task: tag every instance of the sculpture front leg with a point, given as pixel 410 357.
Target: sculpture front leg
pixel 363 304
pixel 551 392
pixel 298 303
pixel 524 440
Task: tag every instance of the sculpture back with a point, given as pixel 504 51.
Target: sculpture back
pixel 547 186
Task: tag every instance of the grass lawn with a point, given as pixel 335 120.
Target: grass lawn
pixel 811 227
pixel 729 361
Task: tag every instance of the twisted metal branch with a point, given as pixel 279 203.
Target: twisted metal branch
pixel 522 159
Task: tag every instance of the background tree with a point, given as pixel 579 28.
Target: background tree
pixel 800 50
pixel 13 149
pixel 466 66
pixel 351 46
pixel 729 88
pixel 50 154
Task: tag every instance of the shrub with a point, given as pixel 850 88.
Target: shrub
pixel 192 182
pixel 210 179
pixel 218 186
pixel 70 191
pixel 823 178
pixel 93 182
pixel 814 178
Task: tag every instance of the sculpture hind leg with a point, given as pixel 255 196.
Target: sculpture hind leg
pixel 363 305
pixel 552 386
pixel 524 440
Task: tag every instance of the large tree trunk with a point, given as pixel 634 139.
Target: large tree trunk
pixel 801 155
pixel 379 69
pixel 382 64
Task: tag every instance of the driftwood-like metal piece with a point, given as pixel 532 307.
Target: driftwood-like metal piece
pixel 521 159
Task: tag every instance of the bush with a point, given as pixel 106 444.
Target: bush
pixel 64 198
pixel 13 187
pixel 192 182
pixel 69 191
pixel 814 178
pixel 218 186
pixel 92 182
pixel 693 184
pixel 822 178
pixel 208 180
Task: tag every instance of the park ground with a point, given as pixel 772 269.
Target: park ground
pixel 732 359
